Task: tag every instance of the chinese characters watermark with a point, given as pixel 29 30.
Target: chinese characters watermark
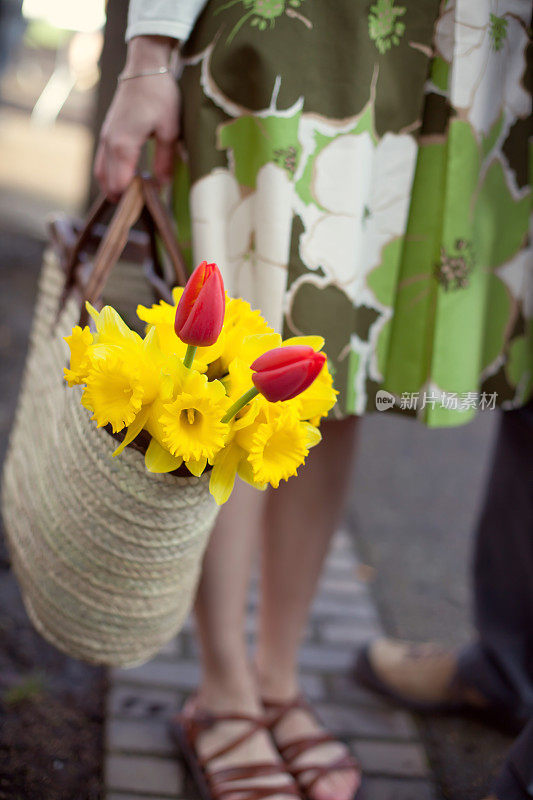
pixel 452 401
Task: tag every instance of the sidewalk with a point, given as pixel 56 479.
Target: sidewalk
pixel 140 761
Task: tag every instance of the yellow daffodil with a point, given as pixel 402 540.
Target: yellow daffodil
pixel 111 328
pixel 240 321
pixel 114 390
pixel 191 424
pixel 268 449
pixel 151 365
pixel 80 342
pixel 224 472
pixel 276 445
pixel 231 460
pixel 161 317
pixel 159 460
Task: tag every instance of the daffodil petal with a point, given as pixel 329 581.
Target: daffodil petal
pixel 246 473
pixel 92 311
pixel 224 472
pixel 196 466
pixel 316 342
pixel 134 429
pixel 257 344
pixel 313 434
pixel 159 460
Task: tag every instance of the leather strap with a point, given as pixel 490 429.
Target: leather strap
pixel 141 196
pixel 222 781
pixel 306 774
pixel 128 211
pixel 164 227
pixel 95 214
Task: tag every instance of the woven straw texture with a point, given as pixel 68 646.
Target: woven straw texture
pixel 107 554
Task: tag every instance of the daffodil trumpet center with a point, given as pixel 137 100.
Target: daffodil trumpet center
pixel 239 404
pixel 189 355
pixel 190 416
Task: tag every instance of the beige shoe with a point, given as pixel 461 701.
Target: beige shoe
pixel 425 679
pixel 422 676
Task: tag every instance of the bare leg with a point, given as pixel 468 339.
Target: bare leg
pixel 300 519
pixel 221 603
pixel 228 685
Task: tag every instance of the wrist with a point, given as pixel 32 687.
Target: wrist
pixel 149 52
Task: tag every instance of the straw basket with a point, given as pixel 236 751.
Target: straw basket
pixel 107 555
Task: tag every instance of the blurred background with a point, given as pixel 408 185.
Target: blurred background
pixel 415 493
pixel 58 66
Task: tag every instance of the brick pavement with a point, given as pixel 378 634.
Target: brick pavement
pixel 140 761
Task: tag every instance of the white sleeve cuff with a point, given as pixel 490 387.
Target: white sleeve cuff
pixel 173 18
pixel 159 27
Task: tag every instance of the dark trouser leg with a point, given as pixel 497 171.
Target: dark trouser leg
pixel 515 782
pixel 500 664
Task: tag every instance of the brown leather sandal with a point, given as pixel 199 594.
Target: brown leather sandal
pixel 221 783
pixel 307 775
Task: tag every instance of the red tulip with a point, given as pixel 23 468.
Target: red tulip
pixel 200 311
pixel 285 372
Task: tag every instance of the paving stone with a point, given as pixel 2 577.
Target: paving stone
pixel 143 737
pixel 325 657
pixel 312 685
pixel 340 558
pixel 341 565
pixel 342 608
pixel 122 796
pixel 392 758
pixel 353 633
pixel 343 584
pixel 365 723
pixel 130 773
pixel 344 688
pixel 171 674
pixel 142 702
pixel 390 789
pixel 172 648
pixel 343 542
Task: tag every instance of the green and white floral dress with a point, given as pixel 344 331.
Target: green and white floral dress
pixel 360 170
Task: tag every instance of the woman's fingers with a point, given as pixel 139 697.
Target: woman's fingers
pixel 98 169
pixel 164 160
pixel 121 155
pixel 142 108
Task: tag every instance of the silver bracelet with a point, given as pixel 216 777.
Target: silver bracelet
pixel 144 73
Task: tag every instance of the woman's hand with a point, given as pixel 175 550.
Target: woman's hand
pixel 141 108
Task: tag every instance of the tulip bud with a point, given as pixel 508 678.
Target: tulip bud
pixel 200 311
pixel 285 372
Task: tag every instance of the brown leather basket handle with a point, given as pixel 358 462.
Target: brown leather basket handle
pixel 141 193
pixel 96 212
pixel 164 227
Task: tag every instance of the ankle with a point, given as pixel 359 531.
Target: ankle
pixel 223 691
pixel 274 683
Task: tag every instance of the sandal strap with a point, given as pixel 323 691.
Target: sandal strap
pixel 296 747
pixel 293 749
pixel 282 707
pixel 198 722
pixel 222 781
pixel 254 792
pixel 256 770
pixel 318 771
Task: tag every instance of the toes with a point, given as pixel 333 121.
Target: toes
pixel 338 786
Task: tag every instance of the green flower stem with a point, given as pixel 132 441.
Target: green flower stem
pixel 246 398
pixel 189 356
